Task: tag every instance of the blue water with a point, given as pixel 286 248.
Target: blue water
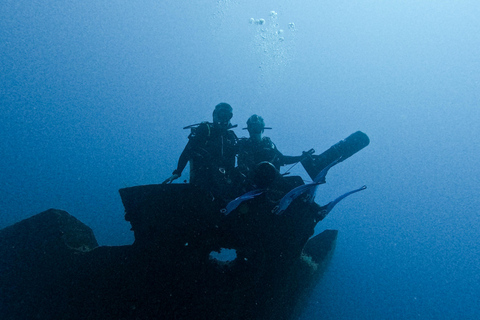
pixel 94 95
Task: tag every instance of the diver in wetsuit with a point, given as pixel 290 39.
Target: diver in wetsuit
pixel 257 149
pixel 211 151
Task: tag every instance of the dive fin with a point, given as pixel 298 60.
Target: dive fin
pixel 320 178
pixel 232 205
pixel 328 207
pixel 294 194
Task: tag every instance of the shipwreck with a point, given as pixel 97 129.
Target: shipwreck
pixel 52 267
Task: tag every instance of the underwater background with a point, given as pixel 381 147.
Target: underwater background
pixel 94 96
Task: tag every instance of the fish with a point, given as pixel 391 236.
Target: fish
pixel 232 205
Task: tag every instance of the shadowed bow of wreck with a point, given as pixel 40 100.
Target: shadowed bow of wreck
pixel 51 266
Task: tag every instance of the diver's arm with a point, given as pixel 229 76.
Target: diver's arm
pixel 182 163
pixel 291 159
pixel 281 159
pixel 184 158
pixel 295 159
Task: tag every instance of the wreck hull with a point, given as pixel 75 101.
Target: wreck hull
pixel 271 274
pixel 52 268
pixel 168 272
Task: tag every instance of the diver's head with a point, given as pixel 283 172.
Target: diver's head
pixel 222 114
pixel 265 174
pixel 255 124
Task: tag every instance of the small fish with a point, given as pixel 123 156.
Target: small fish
pixel 329 206
pixel 232 205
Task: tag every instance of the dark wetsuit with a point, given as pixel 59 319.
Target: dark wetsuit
pixel 251 153
pixel 211 151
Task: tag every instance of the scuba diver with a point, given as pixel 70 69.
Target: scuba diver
pixel 211 151
pixel 257 150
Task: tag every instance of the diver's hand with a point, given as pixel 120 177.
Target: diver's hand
pixel 171 178
pixel 308 153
